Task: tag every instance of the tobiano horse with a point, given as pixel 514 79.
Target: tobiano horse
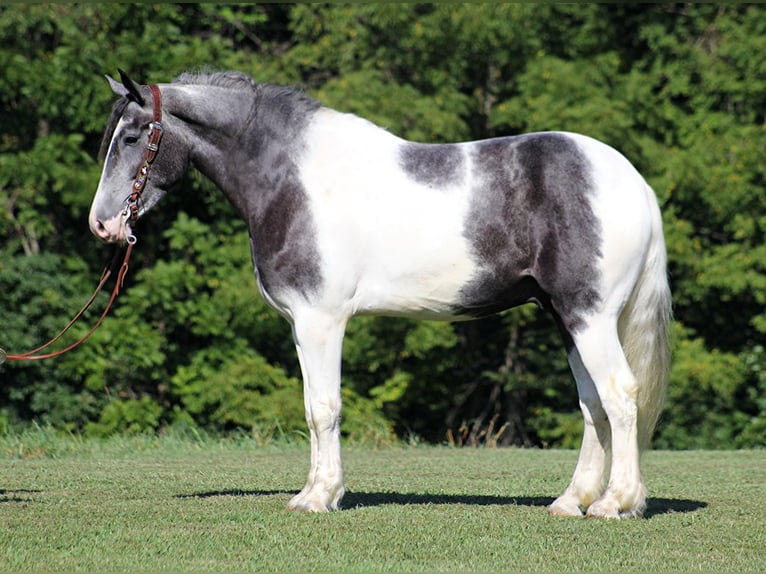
pixel 346 218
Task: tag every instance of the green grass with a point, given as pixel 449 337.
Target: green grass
pixel 153 504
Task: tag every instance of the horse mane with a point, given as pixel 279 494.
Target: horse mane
pixel 284 101
pixel 231 80
pixel 239 81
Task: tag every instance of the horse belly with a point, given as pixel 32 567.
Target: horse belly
pixel 423 284
pixel 391 246
pixel 414 264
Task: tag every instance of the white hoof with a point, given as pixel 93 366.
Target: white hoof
pixel 603 509
pixel 315 500
pixel 609 506
pixel 564 506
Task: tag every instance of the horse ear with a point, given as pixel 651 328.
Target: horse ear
pixel 129 88
pixel 116 86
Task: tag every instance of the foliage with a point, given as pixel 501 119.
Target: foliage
pixel 679 88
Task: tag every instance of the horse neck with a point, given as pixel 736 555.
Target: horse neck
pixel 238 137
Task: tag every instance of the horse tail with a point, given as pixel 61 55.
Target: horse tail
pixel 644 329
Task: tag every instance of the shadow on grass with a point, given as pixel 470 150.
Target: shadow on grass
pixel 660 506
pixel 365 499
pixel 14 495
pixel 354 500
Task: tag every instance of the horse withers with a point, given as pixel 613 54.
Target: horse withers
pixel 346 218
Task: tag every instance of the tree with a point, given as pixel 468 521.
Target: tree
pixel 678 88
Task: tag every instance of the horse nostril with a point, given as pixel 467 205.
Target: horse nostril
pixel 99 229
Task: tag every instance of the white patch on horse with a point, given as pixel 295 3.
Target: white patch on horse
pixel 390 244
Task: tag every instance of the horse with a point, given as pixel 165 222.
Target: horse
pixel 346 218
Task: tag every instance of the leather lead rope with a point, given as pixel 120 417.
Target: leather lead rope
pixel 36 355
pixel 131 211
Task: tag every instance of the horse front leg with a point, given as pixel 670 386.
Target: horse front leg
pixel 319 342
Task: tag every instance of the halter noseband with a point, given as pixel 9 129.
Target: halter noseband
pixel 152 147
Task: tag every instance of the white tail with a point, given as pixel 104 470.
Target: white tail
pixel 644 329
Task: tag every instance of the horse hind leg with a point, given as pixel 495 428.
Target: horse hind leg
pixel 602 357
pixel 593 464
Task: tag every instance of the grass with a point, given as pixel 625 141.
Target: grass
pixel 154 504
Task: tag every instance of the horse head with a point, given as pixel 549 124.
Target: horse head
pixel 126 189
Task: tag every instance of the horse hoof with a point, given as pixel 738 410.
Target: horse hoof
pixel 315 500
pixel 301 504
pixel 564 508
pixel 603 508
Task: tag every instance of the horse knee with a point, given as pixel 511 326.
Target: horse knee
pixel 324 417
pixel 620 402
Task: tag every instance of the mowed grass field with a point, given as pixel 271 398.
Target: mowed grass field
pixel 159 504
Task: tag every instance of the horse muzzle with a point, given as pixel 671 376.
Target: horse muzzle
pixel 113 230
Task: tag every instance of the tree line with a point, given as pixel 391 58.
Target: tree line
pixel 679 88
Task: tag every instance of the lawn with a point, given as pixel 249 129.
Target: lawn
pixel 152 504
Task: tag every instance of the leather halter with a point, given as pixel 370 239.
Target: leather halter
pixel 152 147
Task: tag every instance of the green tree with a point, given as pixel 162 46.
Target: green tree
pixel 678 88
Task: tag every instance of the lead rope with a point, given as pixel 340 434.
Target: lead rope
pixel 131 213
pixel 35 355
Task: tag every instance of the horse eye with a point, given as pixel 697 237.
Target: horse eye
pixel 130 140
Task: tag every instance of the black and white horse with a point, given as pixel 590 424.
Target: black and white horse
pixel 346 218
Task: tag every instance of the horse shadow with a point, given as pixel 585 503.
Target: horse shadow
pixel 358 500
pixel 17 495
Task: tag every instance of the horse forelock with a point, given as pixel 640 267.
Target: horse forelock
pixel 117 110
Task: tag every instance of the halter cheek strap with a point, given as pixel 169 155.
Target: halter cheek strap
pixel 152 147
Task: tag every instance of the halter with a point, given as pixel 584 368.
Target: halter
pixel 152 147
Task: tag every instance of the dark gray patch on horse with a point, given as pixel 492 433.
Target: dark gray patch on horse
pixel 282 231
pixel 265 185
pixel 432 164
pixel 531 228
pixel 255 165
